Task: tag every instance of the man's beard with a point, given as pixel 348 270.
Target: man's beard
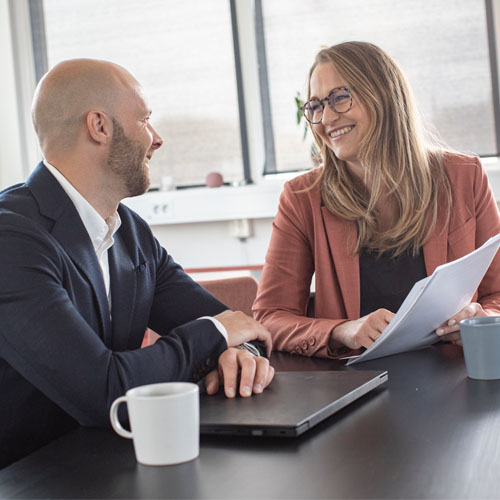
pixel 126 159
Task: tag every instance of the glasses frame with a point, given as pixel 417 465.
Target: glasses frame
pixel 327 99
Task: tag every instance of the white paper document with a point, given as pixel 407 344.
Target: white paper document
pixel 431 302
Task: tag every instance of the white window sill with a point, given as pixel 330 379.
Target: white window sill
pixel 255 201
pixel 208 204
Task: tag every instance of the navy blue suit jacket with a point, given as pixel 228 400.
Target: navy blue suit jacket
pixel 63 357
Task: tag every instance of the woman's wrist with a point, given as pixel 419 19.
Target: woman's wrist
pixel 335 345
pixel 333 341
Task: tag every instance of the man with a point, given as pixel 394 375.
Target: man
pixel 82 277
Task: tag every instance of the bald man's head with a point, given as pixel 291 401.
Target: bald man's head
pixel 68 92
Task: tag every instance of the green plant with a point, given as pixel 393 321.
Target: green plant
pixel 299 102
pixel 300 116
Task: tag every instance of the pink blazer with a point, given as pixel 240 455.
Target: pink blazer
pixel 307 238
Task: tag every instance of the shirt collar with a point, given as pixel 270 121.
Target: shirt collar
pixel 97 227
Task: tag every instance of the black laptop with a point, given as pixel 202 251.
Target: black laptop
pixel 293 403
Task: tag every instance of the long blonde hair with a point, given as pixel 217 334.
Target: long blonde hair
pixel 403 160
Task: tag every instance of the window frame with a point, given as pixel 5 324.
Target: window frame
pixel 21 65
pixel 492 8
pixel 40 61
pixel 492 31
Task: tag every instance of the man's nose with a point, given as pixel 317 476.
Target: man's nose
pixel 157 140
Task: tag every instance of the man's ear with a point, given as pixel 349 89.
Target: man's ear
pixel 100 126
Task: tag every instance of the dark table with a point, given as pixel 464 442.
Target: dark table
pixel 430 432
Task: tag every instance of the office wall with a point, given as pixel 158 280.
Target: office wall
pixel 210 244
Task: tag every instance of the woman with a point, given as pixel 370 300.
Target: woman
pixel 387 207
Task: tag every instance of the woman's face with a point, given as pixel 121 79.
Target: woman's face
pixel 342 133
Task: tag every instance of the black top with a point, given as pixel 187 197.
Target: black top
pixel 386 280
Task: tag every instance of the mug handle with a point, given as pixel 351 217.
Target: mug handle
pixel 113 415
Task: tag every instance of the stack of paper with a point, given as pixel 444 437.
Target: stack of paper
pixel 431 302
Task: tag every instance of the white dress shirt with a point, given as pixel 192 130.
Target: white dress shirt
pixel 100 230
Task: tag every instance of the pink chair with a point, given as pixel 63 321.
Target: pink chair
pixel 237 293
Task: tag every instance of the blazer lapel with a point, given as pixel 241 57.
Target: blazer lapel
pixel 342 241
pixel 69 231
pixel 436 247
pixel 123 292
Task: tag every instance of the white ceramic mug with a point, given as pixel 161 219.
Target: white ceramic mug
pixel 164 421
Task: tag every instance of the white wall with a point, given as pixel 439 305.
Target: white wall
pixel 210 244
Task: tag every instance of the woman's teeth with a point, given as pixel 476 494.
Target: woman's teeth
pixel 341 131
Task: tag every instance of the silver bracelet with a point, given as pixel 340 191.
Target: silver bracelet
pixel 249 347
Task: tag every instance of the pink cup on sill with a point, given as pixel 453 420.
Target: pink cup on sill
pixel 214 179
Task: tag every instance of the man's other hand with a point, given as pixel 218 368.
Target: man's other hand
pixel 255 373
pixel 241 328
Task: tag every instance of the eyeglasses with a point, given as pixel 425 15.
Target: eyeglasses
pixel 339 100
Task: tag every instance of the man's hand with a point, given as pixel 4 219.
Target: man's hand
pixel 256 373
pixel 451 329
pixel 364 331
pixel 241 328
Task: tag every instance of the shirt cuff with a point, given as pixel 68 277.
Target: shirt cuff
pixel 218 325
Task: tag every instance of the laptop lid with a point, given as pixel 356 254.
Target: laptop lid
pixel 293 403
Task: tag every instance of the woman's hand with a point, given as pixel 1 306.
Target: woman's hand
pixel 364 331
pixel 451 329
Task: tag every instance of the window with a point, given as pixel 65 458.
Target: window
pixel 182 53
pixel 442 47
pixel 185 55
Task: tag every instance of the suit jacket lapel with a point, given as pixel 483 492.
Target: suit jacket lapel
pixel 76 243
pixel 342 241
pixel 123 292
pixel 69 231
